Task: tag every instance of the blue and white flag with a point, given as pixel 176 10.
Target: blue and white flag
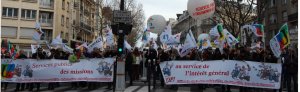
pixel 231 40
pixel 189 44
pixel 98 43
pixel 38 32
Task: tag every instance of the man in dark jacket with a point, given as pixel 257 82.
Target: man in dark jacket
pixel 40 54
pixel 21 56
pixel 151 56
pixel 128 65
pixel 162 56
pixel 290 70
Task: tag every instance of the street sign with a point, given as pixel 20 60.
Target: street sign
pixel 122 17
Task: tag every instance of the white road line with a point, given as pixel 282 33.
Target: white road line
pixel 131 88
pixel 145 89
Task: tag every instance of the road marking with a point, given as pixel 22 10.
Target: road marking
pixel 131 88
pixel 145 89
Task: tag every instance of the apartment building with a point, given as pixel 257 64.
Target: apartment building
pixel 84 21
pixel 277 12
pixel 19 18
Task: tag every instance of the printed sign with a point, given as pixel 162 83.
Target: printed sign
pixel 32 70
pixel 228 72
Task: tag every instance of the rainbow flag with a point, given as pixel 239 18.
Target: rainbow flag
pixel 283 37
pixel 259 30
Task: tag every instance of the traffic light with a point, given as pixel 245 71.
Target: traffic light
pixel 121 26
pixel 126 28
pixel 115 29
pixel 121 45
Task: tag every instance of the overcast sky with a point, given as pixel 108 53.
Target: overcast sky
pixel 166 8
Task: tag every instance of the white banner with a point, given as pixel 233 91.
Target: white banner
pixel 32 70
pixel 95 44
pixel 228 72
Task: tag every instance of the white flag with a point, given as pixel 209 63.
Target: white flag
pixel 189 44
pixel 127 45
pixel 109 36
pixel 38 32
pixel 204 41
pixel 57 41
pixel 34 48
pixel 177 37
pixel 275 47
pixel 166 35
pixel 82 45
pixel 174 39
pixel 192 37
pixel 98 43
pixel 231 40
pixel 67 48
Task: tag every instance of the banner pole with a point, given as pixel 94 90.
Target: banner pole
pixel 264 39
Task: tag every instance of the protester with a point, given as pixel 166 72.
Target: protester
pixel 128 66
pixel 40 54
pixel 21 56
pixel 5 55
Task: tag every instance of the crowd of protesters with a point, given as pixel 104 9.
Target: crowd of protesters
pixel 151 58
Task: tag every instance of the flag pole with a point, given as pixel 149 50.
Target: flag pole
pixel 264 39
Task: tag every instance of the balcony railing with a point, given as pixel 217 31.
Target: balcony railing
pixel 86 27
pixel 47 5
pixel 46 22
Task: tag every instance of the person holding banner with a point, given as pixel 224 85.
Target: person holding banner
pixel 110 54
pixel 4 55
pixel 21 56
pixel 162 56
pixel 40 54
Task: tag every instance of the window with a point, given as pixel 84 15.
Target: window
pixel 73 34
pixel 67 22
pixel 63 4
pixel 9 31
pixel 26 32
pixel 62 35
pixel 28 14
pixel 272 3
pixel 68 5
pixel 283 1
pixel 284 16
pixel 47 35
pixel 10 12
pixel 273 19
pixel 62 20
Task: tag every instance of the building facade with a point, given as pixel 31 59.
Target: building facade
pixel 185 22
pixel 65 17
pixel 84 21
pixel 19 18
pixel 277 12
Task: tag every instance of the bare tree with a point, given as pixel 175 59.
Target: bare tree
pixel 137 14
pixel 235 13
